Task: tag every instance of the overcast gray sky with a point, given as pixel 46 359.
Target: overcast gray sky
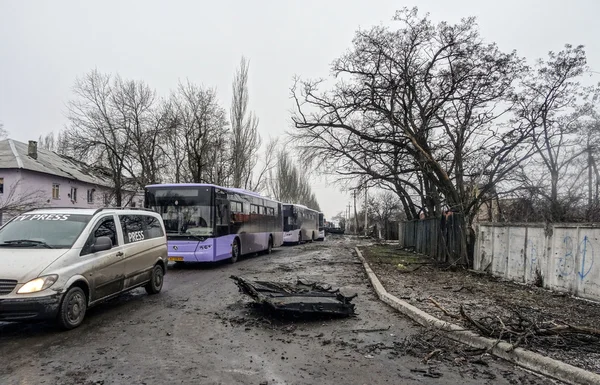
pixel 44 45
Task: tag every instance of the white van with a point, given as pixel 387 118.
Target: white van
pixel 56 263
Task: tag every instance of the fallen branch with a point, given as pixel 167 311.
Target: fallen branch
pixel 565 329
pixel 478 325
pixel 431 355
pixel 446 312
pixel 370 330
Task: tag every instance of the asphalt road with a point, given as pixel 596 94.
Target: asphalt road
pixel 201 330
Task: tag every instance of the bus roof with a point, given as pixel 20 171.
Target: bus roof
pixel 231 189
pixel 299 205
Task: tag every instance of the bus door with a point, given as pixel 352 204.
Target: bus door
pixel 223 225
pixel 223 217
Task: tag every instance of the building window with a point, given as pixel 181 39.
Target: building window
pixel 74 194
pixel 55 191
pixel 1 185
pixel 106 199
pixel 90 196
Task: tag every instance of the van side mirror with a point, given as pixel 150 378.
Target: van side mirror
pixel 102 244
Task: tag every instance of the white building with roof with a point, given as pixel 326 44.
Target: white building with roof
pixel 32 177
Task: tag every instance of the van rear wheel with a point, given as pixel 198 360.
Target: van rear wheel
pixel 72 309
pixel 156 280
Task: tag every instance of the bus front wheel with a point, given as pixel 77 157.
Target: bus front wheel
pixel 235 251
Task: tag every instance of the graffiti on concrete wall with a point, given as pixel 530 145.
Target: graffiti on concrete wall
pixel 566 260
pixel 586 258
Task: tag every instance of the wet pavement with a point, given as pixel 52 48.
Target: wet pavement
pixel 202 330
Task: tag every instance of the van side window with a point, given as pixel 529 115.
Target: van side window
pixel 105 228
pixel 133 228
pixel 139 227
pixel 153 227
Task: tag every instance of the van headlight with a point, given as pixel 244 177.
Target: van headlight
pixel 38 284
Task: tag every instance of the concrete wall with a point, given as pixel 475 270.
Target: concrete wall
pixel 563 255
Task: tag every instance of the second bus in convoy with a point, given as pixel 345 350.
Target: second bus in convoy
pixel 300 224
pixel 321 236
pixel 208 223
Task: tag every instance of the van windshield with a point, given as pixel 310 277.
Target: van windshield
pixel 56 231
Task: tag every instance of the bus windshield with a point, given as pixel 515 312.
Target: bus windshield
pixel 185 211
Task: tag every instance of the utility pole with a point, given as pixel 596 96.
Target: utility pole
pixel 366 233
pixel 355 215
pixel 347 224
pixel 590 178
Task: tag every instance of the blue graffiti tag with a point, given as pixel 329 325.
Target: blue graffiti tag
pixel 587 252
pixel 565 263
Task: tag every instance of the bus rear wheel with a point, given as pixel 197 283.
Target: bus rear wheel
pixel 235 251
pixel 270 246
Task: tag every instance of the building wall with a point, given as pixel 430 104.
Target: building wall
pixel 563 255
pixel 38 187
pixel 41 185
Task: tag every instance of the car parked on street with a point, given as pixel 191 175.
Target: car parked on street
pixel 56 263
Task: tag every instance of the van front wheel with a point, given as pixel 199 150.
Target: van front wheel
pixel 73 308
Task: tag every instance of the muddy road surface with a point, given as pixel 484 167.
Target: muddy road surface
pixel 202 330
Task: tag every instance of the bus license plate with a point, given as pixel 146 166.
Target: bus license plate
pixel 176 259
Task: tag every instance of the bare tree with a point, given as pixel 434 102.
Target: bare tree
pixel 267 163
pixel 553 102
pixel 3 132
pixel 245 141
pixel 47 142
pixel 16 200
pixel 98 127
pixel 383 208
pixel 203 126
pixel 288 184
pixel 419 108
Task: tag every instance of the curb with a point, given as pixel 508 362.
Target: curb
pixel 524 358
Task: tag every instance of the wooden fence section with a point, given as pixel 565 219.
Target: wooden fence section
pixel 440 238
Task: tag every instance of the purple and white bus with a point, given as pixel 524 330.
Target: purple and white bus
pixel 208 223
pixel 321 236
pixel 300 224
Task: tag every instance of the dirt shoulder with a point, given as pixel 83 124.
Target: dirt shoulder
pixel 550 323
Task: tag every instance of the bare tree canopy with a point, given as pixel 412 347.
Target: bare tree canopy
pixel 141 139
pixel 16 200
pixel 199 140
pixel 245 141
pixel 418 108
pixel 3 132
pixel 556 105
pixel 287 183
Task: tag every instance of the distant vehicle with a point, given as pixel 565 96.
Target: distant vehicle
pixel 208 223
pixel 300 224
pixel 56 263
pixel 321 236
pixel 334 227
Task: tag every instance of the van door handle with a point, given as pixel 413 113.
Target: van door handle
pixel 120 254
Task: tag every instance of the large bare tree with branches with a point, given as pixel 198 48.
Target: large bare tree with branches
pixel 418 108
pixel 555 104
pixel 245 140
pixel 99 123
